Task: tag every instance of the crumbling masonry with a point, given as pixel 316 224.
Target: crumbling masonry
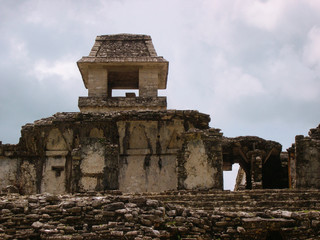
pixel 134 146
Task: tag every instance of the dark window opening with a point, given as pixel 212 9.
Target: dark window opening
pixel 274 235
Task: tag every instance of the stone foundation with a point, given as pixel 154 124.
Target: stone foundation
pixel 272 214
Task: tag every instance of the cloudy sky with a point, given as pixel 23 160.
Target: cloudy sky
pixel 254 66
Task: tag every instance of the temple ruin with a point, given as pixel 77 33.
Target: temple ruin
pixel 131 154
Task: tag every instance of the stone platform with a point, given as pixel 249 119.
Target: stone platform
pixel 259 214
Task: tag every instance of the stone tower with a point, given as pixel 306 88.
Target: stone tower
pixel 131 143
pixel 127 62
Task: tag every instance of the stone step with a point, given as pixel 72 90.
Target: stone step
pixel 250 201
pixel 228 192
pixel 263 204
pixel 256 202
pixel 289 197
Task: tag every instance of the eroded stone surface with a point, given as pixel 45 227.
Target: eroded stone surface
pixel 306 160
pixel 131 151
pixel 167 215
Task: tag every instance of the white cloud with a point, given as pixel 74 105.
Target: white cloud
pixel 289 77
pixel 311 51
pixel 261 14
pixel 65 71
pixel 232 83
pixel 17 49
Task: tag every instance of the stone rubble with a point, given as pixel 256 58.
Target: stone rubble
pixel 168 215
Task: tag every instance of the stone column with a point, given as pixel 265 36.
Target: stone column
pixel 97 81
pixel 256 169
pixel 307 153
pixel 148 82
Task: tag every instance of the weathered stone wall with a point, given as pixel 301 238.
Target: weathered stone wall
pixel 97 81
pixel 99 104
pixel 148 82
pixel 259 158
pixel 307 160
pixel 148 155
pixel 123 61
pixel 8 171
pixel 210 215
pixel 131 151
pixel 200 161
pixel 292 167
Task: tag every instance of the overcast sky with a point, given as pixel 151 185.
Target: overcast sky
pixel 254 66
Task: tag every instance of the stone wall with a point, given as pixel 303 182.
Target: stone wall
pixel 262 161
pixel 8 171
pixel 307 160
pixel 131 151
pixel 156 216
pixel 148 82
pixel 99 104
pixel 200 161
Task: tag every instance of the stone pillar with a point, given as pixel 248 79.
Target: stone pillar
pixel 148 82
pixel 256 169
pixel 291 166
pixel 200 160
pixel 97 81
pixel 307 153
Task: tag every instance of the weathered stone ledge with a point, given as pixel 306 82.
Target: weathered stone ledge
pixel 200 118
pixel 102 104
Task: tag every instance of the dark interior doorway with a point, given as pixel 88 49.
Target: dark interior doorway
pixel 274 235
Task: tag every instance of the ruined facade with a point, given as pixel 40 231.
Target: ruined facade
pixel 130 143
pixel 134 144
pixel 139 171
